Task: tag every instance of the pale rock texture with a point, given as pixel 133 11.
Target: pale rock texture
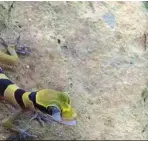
pixel 101 59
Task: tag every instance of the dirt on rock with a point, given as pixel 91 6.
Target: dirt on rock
pixel 97 51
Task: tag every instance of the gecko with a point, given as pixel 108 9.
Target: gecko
pixel 55 104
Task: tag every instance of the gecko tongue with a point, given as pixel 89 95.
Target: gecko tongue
pixel 72 122
pixel 57 117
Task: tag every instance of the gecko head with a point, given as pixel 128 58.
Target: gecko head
pixel 61 110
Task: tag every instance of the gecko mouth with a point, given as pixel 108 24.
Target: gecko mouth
pixel 56 116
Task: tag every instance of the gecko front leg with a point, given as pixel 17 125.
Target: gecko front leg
pixel 6 58
pixel 13 50
pixel 40 118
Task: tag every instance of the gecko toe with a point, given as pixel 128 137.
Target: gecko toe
pixel 23 136
pixel 40 118
pixel 23 50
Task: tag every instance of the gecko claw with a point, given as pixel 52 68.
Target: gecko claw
pixel 23 50
pixel 17 41
pixel 40 118
pixel 22 136
pixel 25 133
pixel 3 42
pixel 20 49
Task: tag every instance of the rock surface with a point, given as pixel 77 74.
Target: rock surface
pixel 95 50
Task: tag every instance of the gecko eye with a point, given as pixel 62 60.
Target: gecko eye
pixel 53 110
